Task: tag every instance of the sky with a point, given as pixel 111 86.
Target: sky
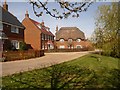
pixel 86 21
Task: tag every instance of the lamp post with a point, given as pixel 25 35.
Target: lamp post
pixel 3 37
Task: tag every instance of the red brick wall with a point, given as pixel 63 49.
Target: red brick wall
pixel 65 43
pixel 21 55
pixel 12 36
pixel 74 44
pixel 7 31
pixel 45 43
pixel 32 34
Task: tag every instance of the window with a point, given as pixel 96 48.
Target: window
pixel 78 40
pixel 70 40
pixel 14 29
pixel 69 47
pixel 42 36
pixel 61 47
pixel 61 40
pixel 52 38
pixel 43 47
pixel 46 37
pixel 1 26
pixel 3 35
pixel 15 44
pixel 78 46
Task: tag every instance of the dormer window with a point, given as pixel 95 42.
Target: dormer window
pixel 78 40
pixel 61 40
pixel 14 29
pixel 70 40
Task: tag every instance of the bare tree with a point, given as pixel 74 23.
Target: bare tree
pixel 65 10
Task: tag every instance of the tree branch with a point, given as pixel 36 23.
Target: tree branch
pixel 67 7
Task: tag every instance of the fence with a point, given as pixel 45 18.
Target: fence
pixel 18 55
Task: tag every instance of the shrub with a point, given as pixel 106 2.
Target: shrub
pixel 23 46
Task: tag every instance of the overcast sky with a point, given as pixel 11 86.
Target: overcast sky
pixel 86 21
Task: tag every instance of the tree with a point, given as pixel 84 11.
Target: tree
pixel 107 26
pixel 66 8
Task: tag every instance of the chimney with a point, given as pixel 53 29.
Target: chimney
pixel 26 15
pixel 5 5
pixel 42 23
pixel 56 28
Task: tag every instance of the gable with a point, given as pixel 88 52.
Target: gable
pixel 8 18
pixel 43 29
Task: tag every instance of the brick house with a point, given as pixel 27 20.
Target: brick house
pixel 37 34
pixel 11 28
pixel 70 38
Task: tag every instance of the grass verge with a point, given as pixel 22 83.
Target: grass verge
pixel 90 71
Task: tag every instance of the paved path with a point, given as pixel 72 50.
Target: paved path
pixel 49 59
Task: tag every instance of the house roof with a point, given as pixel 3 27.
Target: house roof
pixel 43 29
pixel 9 18
pixel 69 32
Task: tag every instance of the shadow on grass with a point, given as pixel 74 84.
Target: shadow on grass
pixel 62 77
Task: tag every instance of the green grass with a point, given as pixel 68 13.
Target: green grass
pixel 95 62
pixel 90 71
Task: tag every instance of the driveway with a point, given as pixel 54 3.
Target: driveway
pixel 9 68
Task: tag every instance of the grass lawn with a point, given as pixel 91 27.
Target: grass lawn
pixel 90 71
pixel 96 62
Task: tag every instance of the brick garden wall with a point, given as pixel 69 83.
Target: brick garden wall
pixel 18 55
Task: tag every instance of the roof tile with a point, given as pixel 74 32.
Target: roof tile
pixel 43 28
pixel 9 18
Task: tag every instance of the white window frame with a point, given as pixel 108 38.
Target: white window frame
pixel 42 36
pixel 70 40
pixel 62 40
pixel 52 38
pixel 45 37
pixel 48 37
pixel 16 44
pixel 78 40
pixel 51 46
pixel 61 46
pixel 79 46
pixel 42 47
pixel 14 29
